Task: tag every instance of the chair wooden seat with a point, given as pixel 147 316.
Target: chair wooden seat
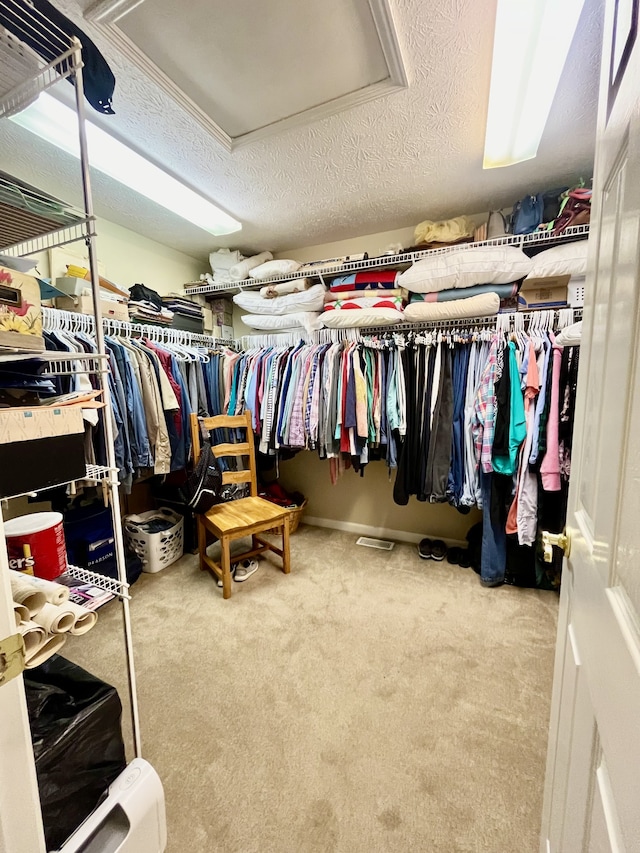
pixel 243 517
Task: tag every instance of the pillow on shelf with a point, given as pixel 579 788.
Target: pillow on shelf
pixel 466 268
pixel 273 268
pixel 484 305
pixel 238 272
pixel 363 302
pixel 364 317
pixel 569 259
pixel 291 303
pixel 308 320
pixel 270 291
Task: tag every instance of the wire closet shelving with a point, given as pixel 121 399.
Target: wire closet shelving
pixel 542 239
pixel 32 221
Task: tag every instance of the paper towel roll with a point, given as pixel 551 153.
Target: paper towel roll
pixel 51 644
pixel 21 612
pixel 54 593
pixel 23 593
pixel 56 619
pixel 85 619
pixel 33 636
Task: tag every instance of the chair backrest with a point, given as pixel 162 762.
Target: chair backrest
pixel 237 449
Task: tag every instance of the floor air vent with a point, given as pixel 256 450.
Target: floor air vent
pixel 382 544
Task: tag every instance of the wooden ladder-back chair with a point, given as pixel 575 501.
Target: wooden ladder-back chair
pixel 243 517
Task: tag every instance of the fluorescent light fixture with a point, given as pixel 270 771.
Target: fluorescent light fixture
pixel 56 123
pixel 531 44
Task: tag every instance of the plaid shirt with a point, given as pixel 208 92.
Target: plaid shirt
pixel 484 412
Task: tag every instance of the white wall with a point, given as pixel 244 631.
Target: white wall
pixel 125 258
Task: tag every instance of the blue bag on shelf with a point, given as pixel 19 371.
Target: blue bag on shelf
pixel 527 214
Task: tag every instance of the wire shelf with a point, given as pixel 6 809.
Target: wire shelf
pixel 116 587
pixel 402 260
pixel 20 63
pixel 94 474
pixel 56 363
pixel 32 221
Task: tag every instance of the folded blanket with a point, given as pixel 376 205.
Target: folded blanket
pixel 357 294
pixel 504 291
pixel 375 279
pixel 364 303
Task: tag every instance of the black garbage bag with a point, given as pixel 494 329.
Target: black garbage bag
pixel 77 743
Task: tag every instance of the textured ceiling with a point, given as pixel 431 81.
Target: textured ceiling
pixel 385 164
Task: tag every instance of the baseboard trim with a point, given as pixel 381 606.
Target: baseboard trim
pixel 378 532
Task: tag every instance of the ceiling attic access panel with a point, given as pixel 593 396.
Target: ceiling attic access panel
pixel 250 69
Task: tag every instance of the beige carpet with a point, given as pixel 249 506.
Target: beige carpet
pixel 370 701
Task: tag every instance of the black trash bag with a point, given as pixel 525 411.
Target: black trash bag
pixel 77 743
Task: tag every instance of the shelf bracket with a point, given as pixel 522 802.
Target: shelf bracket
pixel 11 658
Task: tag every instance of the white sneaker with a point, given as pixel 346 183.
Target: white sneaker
pixel 245 569
pixel 234 566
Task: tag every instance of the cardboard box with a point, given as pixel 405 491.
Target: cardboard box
pixel 543 293
pixel 20 311
pixel 224 332
pixel 40 448
pixel 83 304
pixel 207 317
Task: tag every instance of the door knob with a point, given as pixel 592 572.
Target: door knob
pixel 560 540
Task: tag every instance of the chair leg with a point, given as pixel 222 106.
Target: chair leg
pixel 225 564
pixel 286 562
pixel 202 542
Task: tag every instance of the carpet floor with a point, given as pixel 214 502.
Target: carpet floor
pixel 370 701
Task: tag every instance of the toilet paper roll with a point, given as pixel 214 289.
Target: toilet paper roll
pixel 21 613
pixel 33 636
pixel 85 619
pixel 54 593
pixel 33 599
pixel 56 619
pixel 51 644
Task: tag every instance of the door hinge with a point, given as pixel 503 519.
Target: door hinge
pixel 11 658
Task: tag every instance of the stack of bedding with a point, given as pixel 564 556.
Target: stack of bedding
pixel 371 298
pixel 463 283
pixel 295 307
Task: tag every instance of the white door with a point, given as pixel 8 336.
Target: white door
pixel 592 789
pixel 20 818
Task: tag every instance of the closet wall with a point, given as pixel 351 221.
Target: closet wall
pixel 127 258
pixel 364 505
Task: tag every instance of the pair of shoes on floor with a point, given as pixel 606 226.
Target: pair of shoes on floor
pixel 432 549
pixel 241 571
pixel 459 557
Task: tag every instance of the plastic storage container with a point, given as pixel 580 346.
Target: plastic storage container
pixel 157 537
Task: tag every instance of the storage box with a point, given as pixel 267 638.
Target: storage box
pixel 20 312
pixel 40 448
pixel 549 292
pixel 224 332
pixel 222 311
pixel 83 304
pixel 72 286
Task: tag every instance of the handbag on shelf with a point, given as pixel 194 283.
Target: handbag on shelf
pixel 527 214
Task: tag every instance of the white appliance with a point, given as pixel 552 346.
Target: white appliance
pixel 130 820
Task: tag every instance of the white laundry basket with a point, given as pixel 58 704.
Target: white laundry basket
pixel 156 550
